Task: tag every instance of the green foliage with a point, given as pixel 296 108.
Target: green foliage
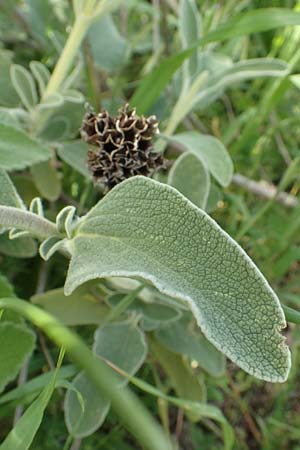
pixel 85 408
pixel 262 19
pixel 190 177
pixel 24 85
pixel 107 45
pixel 164 291
pixel 17 343
pixel 211 153
pixel 74 309
pixel 8 194
pixel 74 154
pixel 22 435
pixel 184 338
pixel 121 344
pixel 154 84
pixel 46 180
pixel 18 150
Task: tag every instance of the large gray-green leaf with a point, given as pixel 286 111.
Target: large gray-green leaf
pixel 211 152
pixel 148 229
pixel 85 409
pixel 18 150
pixel 17 343
pixel 190 177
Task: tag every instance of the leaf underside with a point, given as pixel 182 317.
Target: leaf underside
pixel 147 229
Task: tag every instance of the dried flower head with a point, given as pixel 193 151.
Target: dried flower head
pixel 123 144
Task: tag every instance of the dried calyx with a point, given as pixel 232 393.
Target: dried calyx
pixel 123 144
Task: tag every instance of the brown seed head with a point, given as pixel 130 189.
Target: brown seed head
pixel 123 144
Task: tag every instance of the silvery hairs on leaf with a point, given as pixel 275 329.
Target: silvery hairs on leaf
pixel 143 228
pixel 123 145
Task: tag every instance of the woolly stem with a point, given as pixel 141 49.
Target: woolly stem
pixel 20 219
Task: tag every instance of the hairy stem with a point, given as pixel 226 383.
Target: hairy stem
pixel 20 219
pixel 130 410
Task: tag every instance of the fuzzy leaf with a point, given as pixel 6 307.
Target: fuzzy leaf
pixel 123 344
pixel 152 314
pixel 17 343
pixel 211 152
pixel 190 177
pixel 147 229
pixel 18 150
pixel 8 193
pixel 41 74
pixel 75 154
pixel 24 85
pixel 180 337
pixel 83 419
pixel 107 45
pixel 76 309
pixel 21 247
pixel 46 180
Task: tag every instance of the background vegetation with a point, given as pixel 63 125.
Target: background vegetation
pixel 253 110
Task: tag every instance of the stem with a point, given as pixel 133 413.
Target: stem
pixel 67 57
pixel 20 219
pixel 130 410
pixel 183 106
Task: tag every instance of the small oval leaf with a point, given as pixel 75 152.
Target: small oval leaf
pixel 190 177
pixel 211 152
pixel 24 85
pixel 83 419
